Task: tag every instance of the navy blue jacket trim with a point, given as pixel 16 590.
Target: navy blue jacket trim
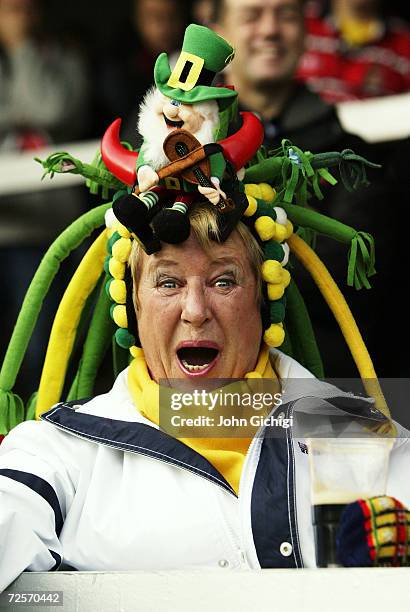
pixel 273 502
pixel 291 484
pixel 64 567
pixel 135 438
pixel 57 560
pixel 42 488
pixel 356 406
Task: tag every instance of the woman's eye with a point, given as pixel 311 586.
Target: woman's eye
pixel 168 283
pixel 224 282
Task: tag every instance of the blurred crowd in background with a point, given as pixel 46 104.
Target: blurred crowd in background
pixel 68 69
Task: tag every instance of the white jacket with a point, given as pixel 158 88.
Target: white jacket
pixel 96 486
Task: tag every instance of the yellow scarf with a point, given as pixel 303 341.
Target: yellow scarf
pixel 225 454
pixel 358 33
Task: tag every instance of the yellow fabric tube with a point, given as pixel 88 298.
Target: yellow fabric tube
pixel 66 322
pixel 343 316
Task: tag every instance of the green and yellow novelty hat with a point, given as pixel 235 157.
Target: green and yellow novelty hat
pixel 275 192
pixel 203 54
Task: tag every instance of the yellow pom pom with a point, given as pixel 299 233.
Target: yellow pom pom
pixel 275 292
pixel 252 206
pixel 272 271
pixel 121 249
pixel 123 232
pixel 280 232
pixel 118 291
pixel 120 316
pixel 253 375
pixel 267 192
pixel 253 190
pixel 265 226
pixel 289 229
pixel 285 277
pixel 136 352
pixel 116 268
pixel 274 335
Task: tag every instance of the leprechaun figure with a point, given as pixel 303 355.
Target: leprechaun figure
pixel 184 100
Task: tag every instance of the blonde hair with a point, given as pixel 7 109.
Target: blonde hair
pixel 204 226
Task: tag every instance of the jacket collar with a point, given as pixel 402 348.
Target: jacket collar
pixel 113 420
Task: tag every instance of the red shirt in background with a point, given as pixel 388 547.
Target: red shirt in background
pixel 340 72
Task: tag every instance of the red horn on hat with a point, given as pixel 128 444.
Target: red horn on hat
pixel 119 160
pixel 243 144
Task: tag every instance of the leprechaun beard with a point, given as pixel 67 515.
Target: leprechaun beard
pixel 153 129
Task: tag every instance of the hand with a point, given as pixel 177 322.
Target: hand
pixel 147 178
pixel 212 194
pixel 374 531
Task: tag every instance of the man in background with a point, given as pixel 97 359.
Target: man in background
pixel 268 36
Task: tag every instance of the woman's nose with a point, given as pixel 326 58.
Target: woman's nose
pixel 195 308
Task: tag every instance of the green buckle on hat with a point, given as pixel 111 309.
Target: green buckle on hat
pixel 181 67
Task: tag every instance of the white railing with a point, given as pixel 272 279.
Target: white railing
pixel 374 120
pixel 19 173
pixel 377 119
pixel 315 590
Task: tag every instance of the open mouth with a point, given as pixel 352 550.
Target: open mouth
pixel 170 123
pixel 195 360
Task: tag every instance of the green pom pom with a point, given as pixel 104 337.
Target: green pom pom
pixel 273 250
pixel 124 339
pixel 106 264
pixel 277 311
pixel 112 310
pixel 107 287
pixel 265 209
pixel 112 240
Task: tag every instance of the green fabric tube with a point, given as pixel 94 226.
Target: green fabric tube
pixel 306 217
pixel 265 171
pixel 352 167
pixel 361 256
pixel 96 174
pixel 96 344
pixel 302 336
pixel 298 170
pixel 286 346
pixel 71 238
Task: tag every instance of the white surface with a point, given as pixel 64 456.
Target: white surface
pixel 377 119
pixel 374 120
pixel 19 172
pixel 327 590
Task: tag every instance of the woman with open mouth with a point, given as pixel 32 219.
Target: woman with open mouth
pixel 100 484
pixel 200 310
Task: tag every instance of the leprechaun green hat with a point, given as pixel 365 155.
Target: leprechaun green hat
pixel 203 54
